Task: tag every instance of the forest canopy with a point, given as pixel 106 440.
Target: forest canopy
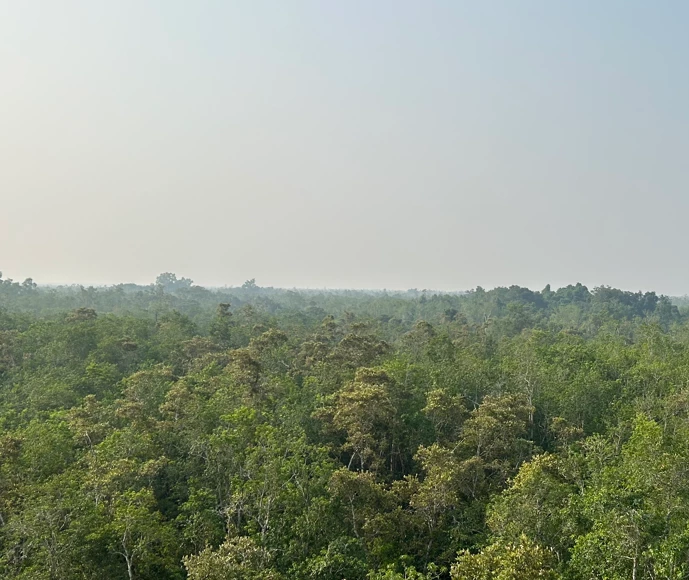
pixel 171 431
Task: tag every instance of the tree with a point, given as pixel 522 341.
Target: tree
pixel 222 326
pixel 170 283
pixel 236 558
pixel 364 409
pixel 138 533
pixel 523 560
pixel 495 434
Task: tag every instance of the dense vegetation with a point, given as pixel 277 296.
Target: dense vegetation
pixel 172 431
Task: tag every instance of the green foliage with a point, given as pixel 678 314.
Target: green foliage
pixel 522 560
pixel 171 431
pixel 235 559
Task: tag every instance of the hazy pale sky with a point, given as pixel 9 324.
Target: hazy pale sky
pixel 363 144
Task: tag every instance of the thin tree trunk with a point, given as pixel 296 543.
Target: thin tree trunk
pixel 130 567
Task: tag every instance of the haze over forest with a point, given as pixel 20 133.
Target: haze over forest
pixel 346 145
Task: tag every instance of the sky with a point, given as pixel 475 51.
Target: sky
pixel 360 144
